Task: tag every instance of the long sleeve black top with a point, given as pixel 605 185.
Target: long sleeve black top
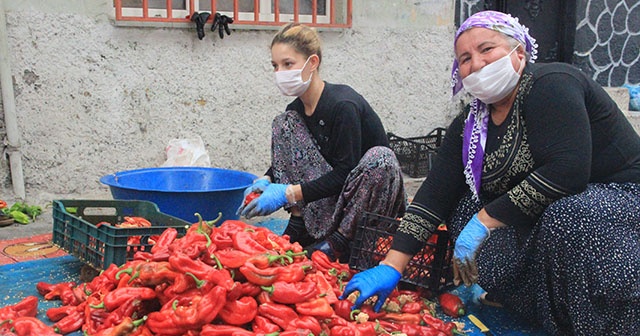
pixel 344 127
pixel 563 132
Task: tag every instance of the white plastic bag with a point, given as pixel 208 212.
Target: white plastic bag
pixel 187 152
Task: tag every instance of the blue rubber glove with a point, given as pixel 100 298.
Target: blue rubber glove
pixel 464 253
pixel 271 199
pixel 469 295
pixel 380 280
pixel 258 185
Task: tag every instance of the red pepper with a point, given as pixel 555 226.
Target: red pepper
pixel 232 258
pixel 183 264
pixel 104 282
pixel 297 332
pixel 306 322
pixel 239 312
pixel 117 297
pixel 57 313
pixel 319 307
pixel 245 242
pixel 164 241
pixel 251 196
pixel 130 308
pixel 280 314
pixel 134 221
pixel 419 330
pixel 446 327
pixel 260 277
pixel 344 330
pixel 70 323
pixel 123 328
pixel 265 260
pixel 323 263
pixel 291 293
pixel 187 313
pixel 401 318
pixel 154 272
pixel 142 330
pixel 451 304
pixel 62 291
pixel 366 328
pixel 224 330
pixel 295 272
pixel 44 288
pixel 342 308
pixel 261 324
pixel 26 307
pixel 249 289
pixel 368 309
pixel 94 314
pixel 29 326
pixel 411 307
pixel 324 287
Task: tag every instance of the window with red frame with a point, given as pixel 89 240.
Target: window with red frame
pixel 316 13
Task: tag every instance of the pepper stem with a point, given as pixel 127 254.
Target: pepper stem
pixel 218 263
pixel 199 283
pixel 213 222
pixel 202 231
pixel 127 270
pixel 139 322
pixel 99 306
pixel 268 289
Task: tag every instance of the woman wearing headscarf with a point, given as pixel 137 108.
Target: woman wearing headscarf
pixel 538 180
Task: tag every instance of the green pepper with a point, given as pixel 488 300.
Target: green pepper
pixel 33 211
pixel 19 217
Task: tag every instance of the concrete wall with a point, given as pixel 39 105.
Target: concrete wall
pixel 93 98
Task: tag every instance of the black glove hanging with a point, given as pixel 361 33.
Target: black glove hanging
pixel 221 22
pixel 200 19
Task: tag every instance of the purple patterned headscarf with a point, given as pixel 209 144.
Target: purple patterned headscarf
pixel 475 129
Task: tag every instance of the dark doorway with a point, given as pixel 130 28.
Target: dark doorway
pixel 551 22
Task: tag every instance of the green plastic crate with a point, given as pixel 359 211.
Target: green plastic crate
pixel 75 230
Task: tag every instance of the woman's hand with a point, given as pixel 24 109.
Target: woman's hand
pixel 466 248
pixel 272 198
pixel 258 186
pixel 380 280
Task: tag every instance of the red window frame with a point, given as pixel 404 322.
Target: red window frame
pixel 278 18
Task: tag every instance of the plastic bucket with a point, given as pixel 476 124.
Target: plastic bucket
pixel 183 191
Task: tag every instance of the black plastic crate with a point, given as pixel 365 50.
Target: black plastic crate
pixel 75 230
pixel 430 268
pixel 416 154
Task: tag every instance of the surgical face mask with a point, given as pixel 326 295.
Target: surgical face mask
pixel 290 82
pixel 494 81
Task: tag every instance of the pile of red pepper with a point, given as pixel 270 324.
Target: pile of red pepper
pixel 235 279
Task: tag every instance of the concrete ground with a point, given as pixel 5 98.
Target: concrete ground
pixel 44 223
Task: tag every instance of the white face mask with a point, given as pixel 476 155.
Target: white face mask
pixel 290 82
pixel 494 81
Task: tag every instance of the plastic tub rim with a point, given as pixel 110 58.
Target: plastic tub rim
pixel 110 179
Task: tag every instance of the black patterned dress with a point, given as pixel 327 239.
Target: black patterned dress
pixel 340 156
pixel 563 172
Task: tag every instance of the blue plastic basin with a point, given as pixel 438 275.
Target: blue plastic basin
pixel 183 191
